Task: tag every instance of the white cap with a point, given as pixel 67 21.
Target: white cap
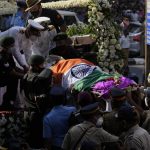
pixel 35 25
pixel 42 19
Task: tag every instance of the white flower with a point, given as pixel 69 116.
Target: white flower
pixel 118 47
pixel 94 9
pixel 106 64
pixel 111 47
pixel 113 41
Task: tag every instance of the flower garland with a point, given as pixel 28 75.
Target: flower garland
pixel 66 4
pixel 106 33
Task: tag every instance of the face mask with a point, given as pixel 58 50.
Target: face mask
pixel 99 122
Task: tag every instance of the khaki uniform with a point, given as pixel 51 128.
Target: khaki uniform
pixel 146 123
pixel 137 138
pixel 93 134
pixel 111 124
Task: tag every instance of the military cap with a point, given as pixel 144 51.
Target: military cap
pixel 90 109
pixel 84 98
pixel 36 60
pixel 35 24
pixel 117 92
pixel 31 4
pixel 7 41
pixel 42 19
pixel 57 90
pixel 126 112
pixel 60 36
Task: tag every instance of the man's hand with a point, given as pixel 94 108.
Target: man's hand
pixel 26 68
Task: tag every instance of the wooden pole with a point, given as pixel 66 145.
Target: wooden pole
pixel 147 63
pixel 147 47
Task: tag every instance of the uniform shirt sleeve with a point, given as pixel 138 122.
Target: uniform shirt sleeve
pixel 47 131
pixel 134 144
pixel 16 52
pixel 55 17
pixel 107 137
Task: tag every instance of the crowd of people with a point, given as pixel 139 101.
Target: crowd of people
pixel 69 103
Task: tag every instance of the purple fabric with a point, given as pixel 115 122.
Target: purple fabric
pixel 104 87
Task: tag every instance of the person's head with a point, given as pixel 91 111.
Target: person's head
pixel 57 95
pixel 61 39
pixel 33 29
pixel 84 98
pixel 128 116
pixel 21 5
pixel 126 19
pixel 7 43
pixel 36 63
pixel 34 6
pixel 118 97
pixel 91 112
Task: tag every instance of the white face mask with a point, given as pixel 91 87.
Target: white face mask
pixel 99 122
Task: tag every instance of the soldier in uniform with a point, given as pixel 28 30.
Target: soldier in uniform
pixel 110 122
pixel 35 8
pixel 63 47
pixel 36 85
pixel 87 130
pixel 45 42
pixel 134 137
pixel 24 38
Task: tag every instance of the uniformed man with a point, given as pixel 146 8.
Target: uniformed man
pixel 87 131
pixel 135 137
pixel 24 38
pixel 36 85
pixel 110 122
pixel 9 74
pixel 45 42
pixel 63 47
pixel 35 7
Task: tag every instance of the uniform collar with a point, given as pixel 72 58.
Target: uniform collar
pixel 132 129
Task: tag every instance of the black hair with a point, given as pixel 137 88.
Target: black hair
pixel 7 41
pixel 21 4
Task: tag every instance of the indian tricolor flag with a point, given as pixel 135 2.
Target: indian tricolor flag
pixel 67 72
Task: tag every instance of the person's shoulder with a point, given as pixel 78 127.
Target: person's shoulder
pixel 70 108
pixel 48 117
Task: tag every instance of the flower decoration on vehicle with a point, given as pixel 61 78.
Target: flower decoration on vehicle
pixel 106 32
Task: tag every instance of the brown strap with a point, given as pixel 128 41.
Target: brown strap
pixel 82 135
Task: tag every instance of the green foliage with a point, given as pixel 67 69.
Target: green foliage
pixel 80 29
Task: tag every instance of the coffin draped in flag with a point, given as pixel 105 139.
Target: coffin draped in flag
pixel 67 72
